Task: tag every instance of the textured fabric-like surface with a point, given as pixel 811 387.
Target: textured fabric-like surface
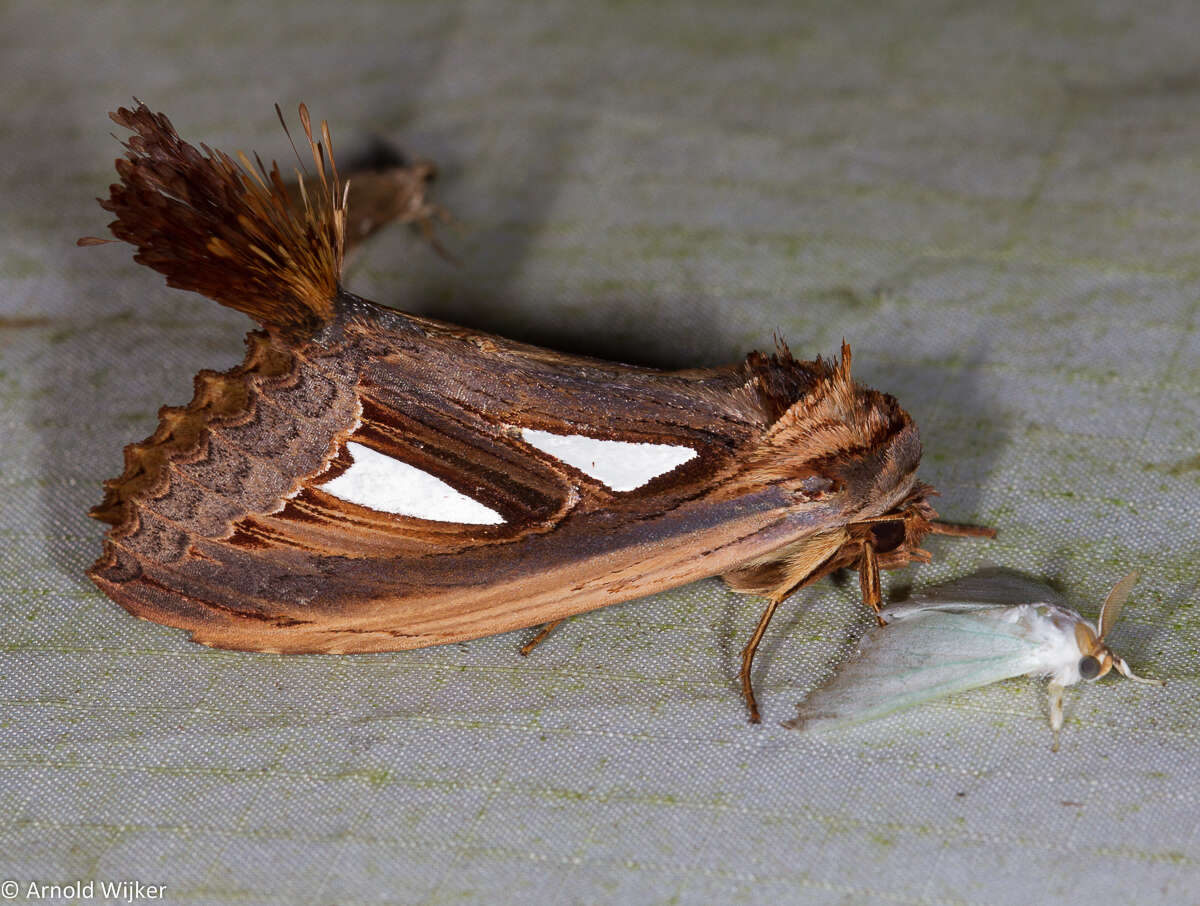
pixel 997 207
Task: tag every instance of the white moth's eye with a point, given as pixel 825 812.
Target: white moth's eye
pixel 1089 667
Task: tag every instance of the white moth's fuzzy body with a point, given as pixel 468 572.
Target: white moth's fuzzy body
pixel 1053 628
pixel 970 633
pixel 1045 630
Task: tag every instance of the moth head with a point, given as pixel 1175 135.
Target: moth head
pixel 830 439
pixel 888 535
pixel 1095 657
pixel 896 535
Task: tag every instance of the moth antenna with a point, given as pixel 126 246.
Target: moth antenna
pixel 961 530
pixel 1086 640
pixel 1123 669
pixel 228 231
pixel 1115 601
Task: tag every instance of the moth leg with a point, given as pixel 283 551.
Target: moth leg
pixel 1056 711
pixel 748 658
pixel 540 637
pixel 868 580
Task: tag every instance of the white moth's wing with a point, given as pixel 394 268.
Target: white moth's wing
pixel 990 587
pixel 927 654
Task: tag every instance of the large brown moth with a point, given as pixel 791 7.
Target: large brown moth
pixel 369 480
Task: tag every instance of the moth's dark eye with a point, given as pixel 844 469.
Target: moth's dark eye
pixel 887 536
pixel 1089 667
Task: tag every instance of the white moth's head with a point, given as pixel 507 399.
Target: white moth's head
pixel 1095 657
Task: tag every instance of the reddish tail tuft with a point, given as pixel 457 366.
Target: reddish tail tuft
pixel 229 231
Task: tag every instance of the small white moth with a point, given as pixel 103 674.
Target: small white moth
pixel 964 634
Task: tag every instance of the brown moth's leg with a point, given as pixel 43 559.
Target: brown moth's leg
pixel 868 580
pixel 539 638
pixel 872 595
pixel 748 658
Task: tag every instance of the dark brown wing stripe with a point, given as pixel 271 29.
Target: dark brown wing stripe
pixel 477 460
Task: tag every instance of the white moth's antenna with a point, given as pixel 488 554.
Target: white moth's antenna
pixel 1108 616
pixel 1122 668
pixel 1115 601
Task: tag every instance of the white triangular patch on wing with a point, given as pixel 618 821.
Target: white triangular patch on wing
pixel 621 465
pixel 390 486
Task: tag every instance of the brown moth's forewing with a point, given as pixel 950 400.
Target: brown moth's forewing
pixel 237 542
pixel 229 521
